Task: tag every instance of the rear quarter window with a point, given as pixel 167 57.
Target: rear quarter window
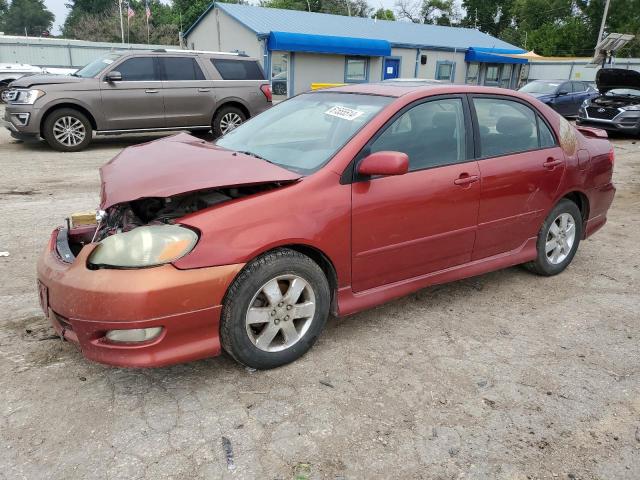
pixel 238 69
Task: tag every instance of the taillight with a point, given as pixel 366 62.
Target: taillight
pixel 612 156
pixel 266 89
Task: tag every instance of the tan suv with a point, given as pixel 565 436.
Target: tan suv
pixel 125 92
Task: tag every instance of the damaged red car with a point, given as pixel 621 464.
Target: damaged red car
pixel 331 202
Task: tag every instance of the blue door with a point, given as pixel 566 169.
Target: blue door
pixel 391 68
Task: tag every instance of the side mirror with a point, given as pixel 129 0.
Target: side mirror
pixel 563 92
pixel 384 163
pixel 113 76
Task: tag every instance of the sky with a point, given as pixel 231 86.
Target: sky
pixel 57 7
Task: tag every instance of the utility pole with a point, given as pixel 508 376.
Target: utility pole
pixel 121 24
pixel 604 20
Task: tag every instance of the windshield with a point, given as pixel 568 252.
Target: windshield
pixel 95 67
pixel 303 133
pixel 623 92
pixel 540 87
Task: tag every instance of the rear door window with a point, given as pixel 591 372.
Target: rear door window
pixel 238 69
pixel 506 127
pixel 181 68
pixel 138 69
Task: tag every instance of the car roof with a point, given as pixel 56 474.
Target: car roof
pixel 418 89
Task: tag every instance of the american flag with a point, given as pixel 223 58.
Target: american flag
pixel 147 10
pixel 130 12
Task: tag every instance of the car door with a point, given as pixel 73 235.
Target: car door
pixel 521 166
pixel 189 97
pixel 424 221
pixel 580 94
pixel 135 102
pixel 563 103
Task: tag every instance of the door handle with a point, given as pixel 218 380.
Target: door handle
pixel 552 163
pixel 466 179
pixel 204 90
pixel 151 91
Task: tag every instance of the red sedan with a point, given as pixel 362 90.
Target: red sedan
pixel 331 202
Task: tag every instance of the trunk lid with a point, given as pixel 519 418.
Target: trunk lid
pixel 182 164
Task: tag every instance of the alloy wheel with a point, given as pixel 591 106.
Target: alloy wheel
pixel 69 131
pixel 560 238
pixel 280 313
pixel 229 121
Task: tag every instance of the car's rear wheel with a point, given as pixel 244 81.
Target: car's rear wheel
pixel 558 239
pixel 67 130
pixel 226 119
pixel 275 309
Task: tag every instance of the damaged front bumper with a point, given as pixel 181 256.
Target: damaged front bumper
pixel 84 304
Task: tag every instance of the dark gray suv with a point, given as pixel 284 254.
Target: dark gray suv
pixel 125 92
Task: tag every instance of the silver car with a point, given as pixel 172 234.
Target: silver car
pixel 141 91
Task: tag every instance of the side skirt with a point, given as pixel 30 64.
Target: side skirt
pixel 350 302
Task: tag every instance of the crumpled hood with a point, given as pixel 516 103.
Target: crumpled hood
pixel 610 78
pixel 181 164
pixel 33 80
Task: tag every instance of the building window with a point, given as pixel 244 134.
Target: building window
pixel 445 70
pixel 356 69
pixel 472 73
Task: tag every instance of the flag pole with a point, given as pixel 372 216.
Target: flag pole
pixel 147 14
pixel 128 24
pixel 121 24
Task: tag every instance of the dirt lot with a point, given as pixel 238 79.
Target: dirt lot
pixel 503 376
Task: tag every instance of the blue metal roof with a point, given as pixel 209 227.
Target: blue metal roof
pixel 263 21
pixel 493 55
pixel 300 42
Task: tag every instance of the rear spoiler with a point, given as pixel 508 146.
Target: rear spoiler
pixel 592 132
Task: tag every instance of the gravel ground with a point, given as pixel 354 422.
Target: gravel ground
pixel 502 376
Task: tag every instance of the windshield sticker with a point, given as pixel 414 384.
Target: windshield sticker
pixel 344 113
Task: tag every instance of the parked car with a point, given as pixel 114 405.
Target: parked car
pixel 617 107
pixel 565 97
pixel 12 71
pixel 137 91
pixel 333 201
pixel 279 83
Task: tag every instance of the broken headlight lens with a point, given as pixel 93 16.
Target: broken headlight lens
pixel 146 246
pixel 27 97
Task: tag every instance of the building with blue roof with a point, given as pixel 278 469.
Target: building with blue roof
pixel 298 48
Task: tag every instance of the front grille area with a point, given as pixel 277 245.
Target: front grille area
pixel 602 112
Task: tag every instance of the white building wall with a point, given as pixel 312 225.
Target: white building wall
pixel 311 68
pixel 219 32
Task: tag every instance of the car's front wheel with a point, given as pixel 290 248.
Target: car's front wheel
pixel 275 309
pixel 558 239
pixel 67 130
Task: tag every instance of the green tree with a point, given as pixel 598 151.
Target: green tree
pixel 80 8
pixel 438 12
pixel 354 8
pixel 490 16
pixel 27 16
pixel 384 14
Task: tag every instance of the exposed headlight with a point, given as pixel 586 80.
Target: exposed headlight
pixel 146 246
pixel 26 97
pixel 585 104
pixel 632 108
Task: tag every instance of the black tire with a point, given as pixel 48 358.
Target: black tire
pixel 52 118
pixel 234 332
pixel 217 126
pixel 279 89
pixel 542 265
